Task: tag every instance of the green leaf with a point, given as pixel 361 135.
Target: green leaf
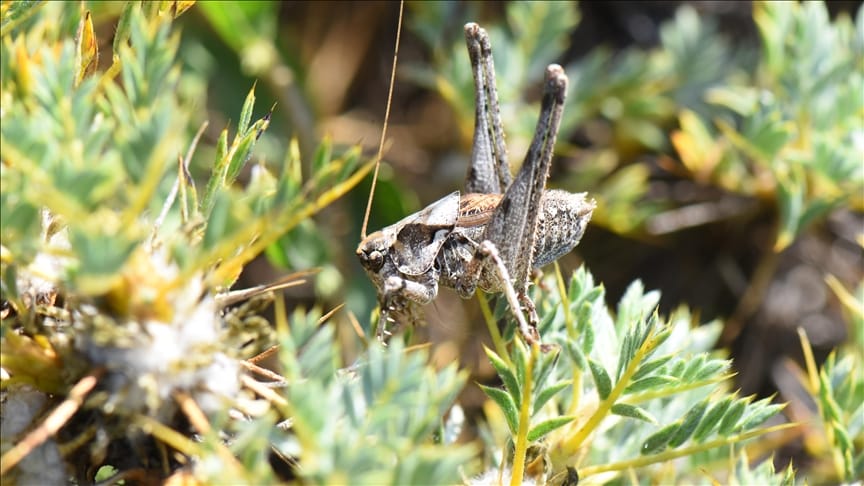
pixel 632 411
pixel 601 379
pixel 576 354
pixel 323 155
pixel 100 254
pixel 842 438
pixel 547 393
pixel 649 383
pixel 650 366
pixel 217 175
pixel 730 419
pixel 243 152
pixel 543 368
pixel 246 113
pixel 761 413
pixel 693 367
pixel 711 369
pixel 19 224
pixel 538 431
pixel 121 34
pixel 241 23
pixel 520 358
pixel 541 29
pixel 105 473
pixel 689 424
pixel 507 405
pixel 657 441
pixel 628 349
pixel 9 282
pixel 587 335
pixel 220 222
pixel 712 418
pixel 506 374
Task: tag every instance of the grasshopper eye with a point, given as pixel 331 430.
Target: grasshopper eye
pixel 374 260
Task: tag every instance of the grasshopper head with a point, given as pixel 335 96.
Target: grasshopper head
pixel 372 251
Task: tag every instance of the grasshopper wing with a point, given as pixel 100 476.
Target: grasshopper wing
pixel 421 235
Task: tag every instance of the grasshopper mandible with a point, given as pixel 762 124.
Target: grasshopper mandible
pixel 493 235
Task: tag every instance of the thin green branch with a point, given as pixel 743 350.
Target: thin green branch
pixel 683 452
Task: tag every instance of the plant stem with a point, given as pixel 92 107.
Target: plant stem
pixel 524 420
pixel 497 340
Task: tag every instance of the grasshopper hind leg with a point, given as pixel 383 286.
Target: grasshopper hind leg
pixel 509 237
pixel 489 172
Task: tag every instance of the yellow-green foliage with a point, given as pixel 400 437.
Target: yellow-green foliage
pixel 123 228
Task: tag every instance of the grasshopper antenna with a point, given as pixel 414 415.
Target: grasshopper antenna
pixel 386 121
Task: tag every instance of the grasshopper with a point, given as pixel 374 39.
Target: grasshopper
pixel 492 236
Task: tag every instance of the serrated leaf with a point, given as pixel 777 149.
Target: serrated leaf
pixel 506 374
pixel 601 379
pixel 632 411
pixel 657 441
pixel 505 402
pixel 538 431
pixel 689 424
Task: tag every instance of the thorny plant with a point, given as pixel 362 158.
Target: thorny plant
pixel 118 330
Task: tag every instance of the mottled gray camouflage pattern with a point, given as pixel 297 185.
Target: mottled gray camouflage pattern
pixel 528 226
